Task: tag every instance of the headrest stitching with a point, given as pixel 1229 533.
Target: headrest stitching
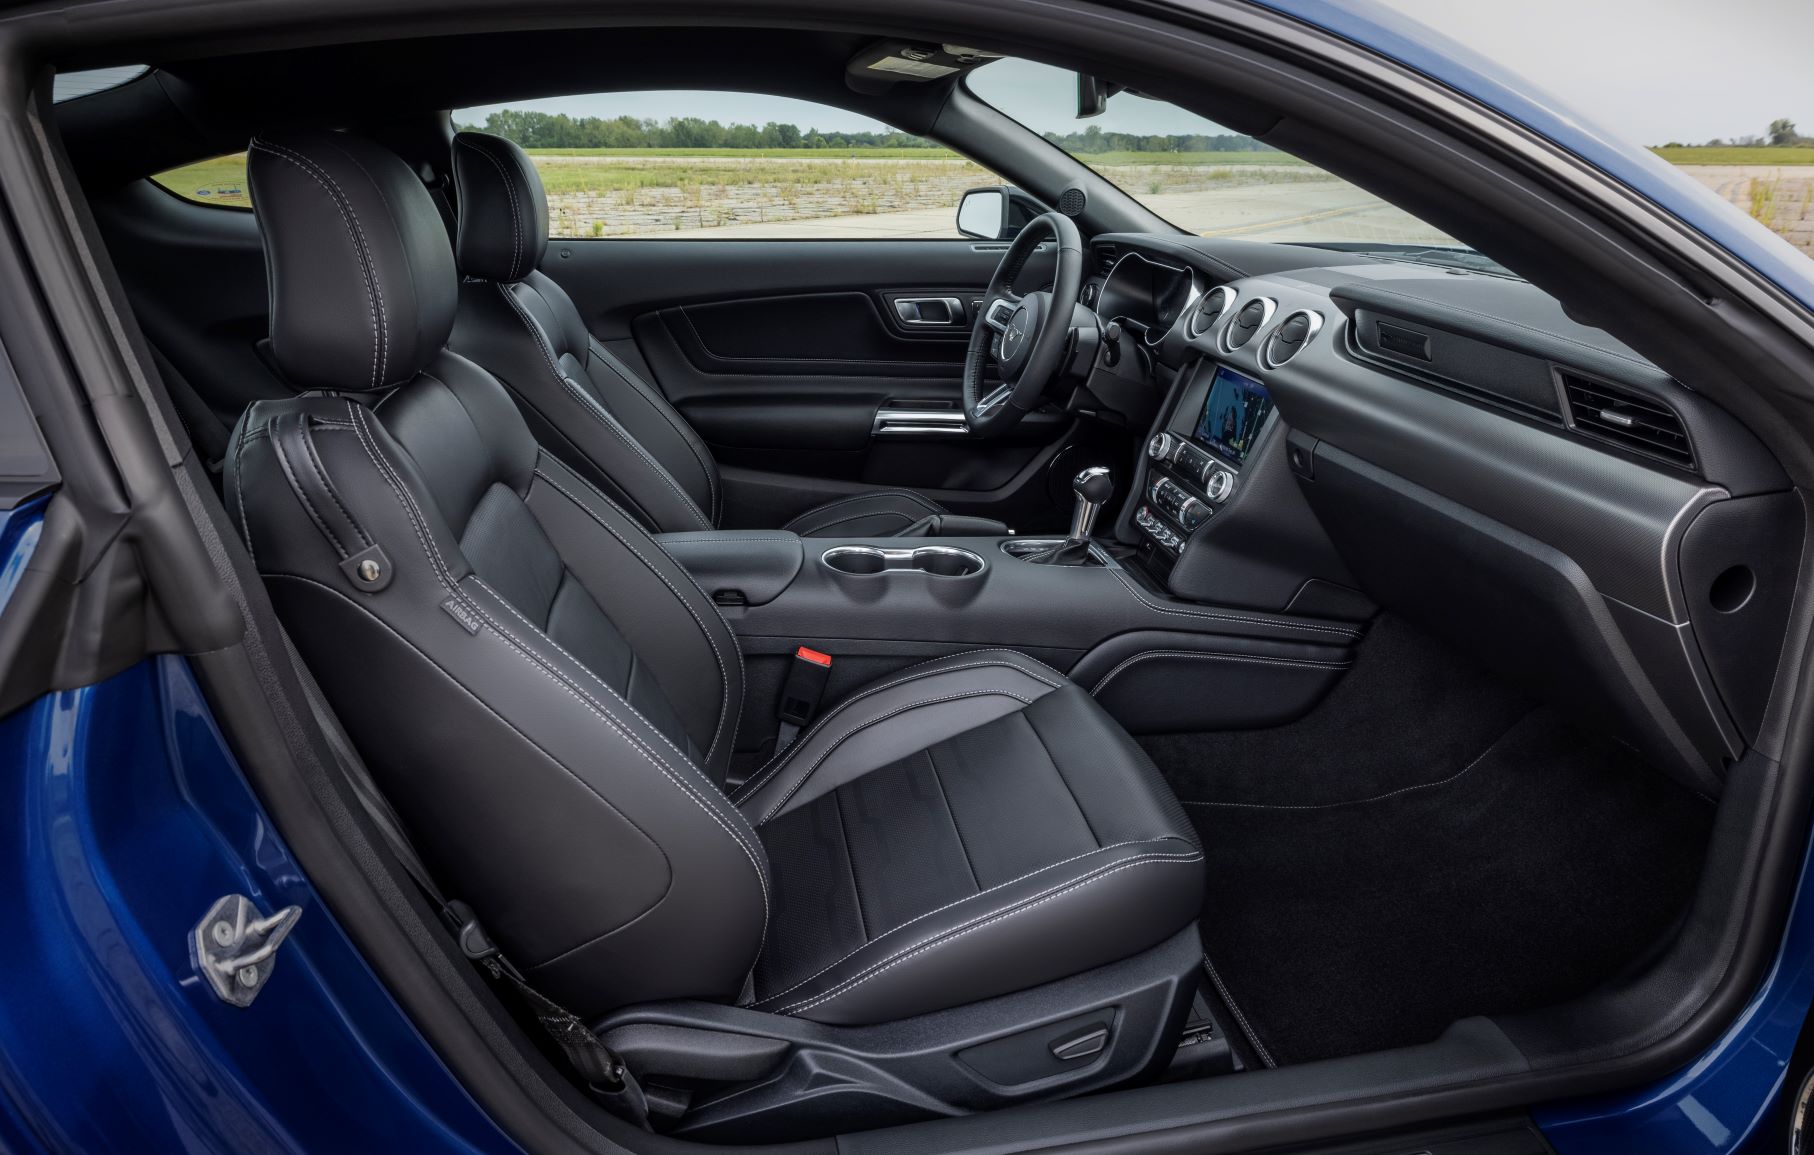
pixel 516 234
pixel 374 292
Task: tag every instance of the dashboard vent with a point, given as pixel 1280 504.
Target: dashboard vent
pixel 1634 423
pixel 1293 333
pixel 1210 309
pixel 1247 322
pixel 1106 256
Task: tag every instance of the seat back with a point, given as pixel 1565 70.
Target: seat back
pixel 546 697
pixel 588 407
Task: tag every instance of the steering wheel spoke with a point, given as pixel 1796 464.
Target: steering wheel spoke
pixel 1026 335
pixel 999 310
pixel 997 397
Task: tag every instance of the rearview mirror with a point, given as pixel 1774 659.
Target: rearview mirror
pixel 983 214
pixel 1093 94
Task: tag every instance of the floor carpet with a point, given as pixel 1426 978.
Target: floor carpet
pixel 1423 847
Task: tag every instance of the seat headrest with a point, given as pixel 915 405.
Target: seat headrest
pixel 503 211
pixel 361 278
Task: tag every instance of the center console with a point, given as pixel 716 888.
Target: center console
pixel 1195 461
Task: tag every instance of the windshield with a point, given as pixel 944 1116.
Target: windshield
pixel 1204 178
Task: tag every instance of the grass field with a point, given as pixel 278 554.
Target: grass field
pixel 1747 156
pixel 220 181
pixel 757 153
pixel 657 191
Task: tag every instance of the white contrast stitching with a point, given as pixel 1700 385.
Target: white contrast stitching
pixel 516 234
pixel 598 412
pixel 724 676
pixel 877 721
pixel 693 443
pixel 434 556
pixel 587 670
pixel 368 267
pixel 774 764
pixel 968 898
pixel 1136 659
pixel 507 724
pixel 301 492
pixel 730 634
pixel 877 969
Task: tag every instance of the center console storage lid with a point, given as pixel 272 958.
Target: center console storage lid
pixel 758 564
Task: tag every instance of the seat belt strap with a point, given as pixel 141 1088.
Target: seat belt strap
pixel 598 1066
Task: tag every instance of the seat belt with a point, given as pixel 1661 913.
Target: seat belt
pixel 598 1066
pixel 800 694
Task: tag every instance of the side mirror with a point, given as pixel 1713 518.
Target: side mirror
pixel 983 214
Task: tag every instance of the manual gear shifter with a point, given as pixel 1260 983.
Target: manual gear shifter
pixel 1093 487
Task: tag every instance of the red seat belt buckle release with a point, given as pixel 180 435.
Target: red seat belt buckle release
pixel 800 694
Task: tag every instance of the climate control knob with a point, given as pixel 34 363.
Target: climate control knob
pixel 1161 446
pixel 1220 485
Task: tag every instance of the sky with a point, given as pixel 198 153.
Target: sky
pixel 1651 71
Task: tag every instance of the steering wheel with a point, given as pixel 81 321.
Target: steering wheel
pixel 1026 335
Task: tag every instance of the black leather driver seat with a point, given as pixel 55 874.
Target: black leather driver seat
pixel 551 702
pixel 591 409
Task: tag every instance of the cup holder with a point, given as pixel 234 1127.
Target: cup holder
pixel 937 560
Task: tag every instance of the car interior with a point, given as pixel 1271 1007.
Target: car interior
pixel 1071 677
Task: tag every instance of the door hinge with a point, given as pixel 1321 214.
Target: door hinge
pixel 235 948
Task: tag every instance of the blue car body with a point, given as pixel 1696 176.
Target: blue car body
pixel 129 817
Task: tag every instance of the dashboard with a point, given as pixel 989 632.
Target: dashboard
pixel 1328 433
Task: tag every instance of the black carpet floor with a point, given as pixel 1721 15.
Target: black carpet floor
pixel 1423 847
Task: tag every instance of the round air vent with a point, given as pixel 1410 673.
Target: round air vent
pixel 1250 320
pixel 1210 309
pixel 1072 201
pixel 1293 333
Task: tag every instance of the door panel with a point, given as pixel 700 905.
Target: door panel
pixel 783 353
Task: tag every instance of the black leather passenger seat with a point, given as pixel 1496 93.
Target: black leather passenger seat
pixel 550 701
pixel 1043 825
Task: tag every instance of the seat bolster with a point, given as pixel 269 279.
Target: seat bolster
pixel 880 513
pixel 1054 922
pixel 678 633
pixel 893 718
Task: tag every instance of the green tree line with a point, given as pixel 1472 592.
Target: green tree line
pixel 558 130
pixel 1781 134
pixel 1094 140
pixel 546 130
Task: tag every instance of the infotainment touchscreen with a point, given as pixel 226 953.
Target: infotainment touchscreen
pixel 1232 416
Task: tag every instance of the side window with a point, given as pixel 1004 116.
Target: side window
pixel 715 165
pixel 220 182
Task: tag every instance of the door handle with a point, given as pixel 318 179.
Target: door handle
pixel 906 421
pixel 945 311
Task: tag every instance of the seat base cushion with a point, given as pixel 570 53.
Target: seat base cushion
pixel 974 826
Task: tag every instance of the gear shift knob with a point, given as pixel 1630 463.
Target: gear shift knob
pixel 1093 487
